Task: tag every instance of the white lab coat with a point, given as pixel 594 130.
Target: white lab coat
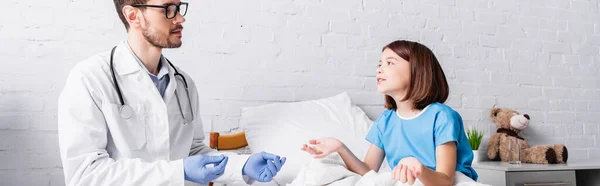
pixel 99 147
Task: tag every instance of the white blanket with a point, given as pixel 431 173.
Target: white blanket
pixel 332 171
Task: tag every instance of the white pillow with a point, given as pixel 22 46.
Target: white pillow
pixel 282 128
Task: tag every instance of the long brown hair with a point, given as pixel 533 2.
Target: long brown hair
pixel 427 79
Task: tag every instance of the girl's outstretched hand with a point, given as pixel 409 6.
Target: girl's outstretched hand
pixel 320 148
pixel 407 170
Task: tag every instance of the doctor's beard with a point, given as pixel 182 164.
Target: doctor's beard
pixel 159 40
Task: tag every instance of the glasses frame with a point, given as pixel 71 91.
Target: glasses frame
pixel 166 7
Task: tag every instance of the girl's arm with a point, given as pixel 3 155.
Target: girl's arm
pixel 325 146
pixel 372 160
pixel 445 164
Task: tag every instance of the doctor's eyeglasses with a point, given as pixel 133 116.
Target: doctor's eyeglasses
pixel 171 10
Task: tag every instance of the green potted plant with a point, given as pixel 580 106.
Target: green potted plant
pixel 474 136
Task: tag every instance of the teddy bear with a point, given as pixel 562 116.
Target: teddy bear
pixel 509 124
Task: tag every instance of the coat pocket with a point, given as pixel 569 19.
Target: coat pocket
pixel 127 133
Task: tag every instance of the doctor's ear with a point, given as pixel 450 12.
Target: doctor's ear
pixel 131 15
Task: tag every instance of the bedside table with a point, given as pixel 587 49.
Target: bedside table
pixel 497 173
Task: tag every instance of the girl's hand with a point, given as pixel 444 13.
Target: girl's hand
pixel 407 170
pixel 320 148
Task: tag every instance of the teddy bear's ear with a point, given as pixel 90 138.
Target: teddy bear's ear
pixel 494 112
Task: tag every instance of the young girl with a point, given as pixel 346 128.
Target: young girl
pixel 421 137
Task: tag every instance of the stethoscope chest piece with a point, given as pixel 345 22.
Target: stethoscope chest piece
pixel 126 111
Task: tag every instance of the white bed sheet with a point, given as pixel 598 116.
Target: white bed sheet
pixel 244 184
pixel 333 172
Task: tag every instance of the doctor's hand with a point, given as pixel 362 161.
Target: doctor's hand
pixel 263 166
pixel 196 170
pixel 320 148
pixel 407 170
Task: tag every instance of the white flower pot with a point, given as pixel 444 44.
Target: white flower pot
pixel 475 156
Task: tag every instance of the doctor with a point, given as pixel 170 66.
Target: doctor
pixel 128 116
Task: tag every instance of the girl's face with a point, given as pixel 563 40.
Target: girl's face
pixel 393 74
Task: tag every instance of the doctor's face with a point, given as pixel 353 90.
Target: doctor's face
pixel 159 30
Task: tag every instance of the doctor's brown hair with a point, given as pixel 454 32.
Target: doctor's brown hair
pixel 119 4
pixel 427 79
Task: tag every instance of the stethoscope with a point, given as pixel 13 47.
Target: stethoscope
pixel 127 112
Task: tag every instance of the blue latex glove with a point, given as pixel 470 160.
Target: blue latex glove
pixel 196 170
pixel 263 166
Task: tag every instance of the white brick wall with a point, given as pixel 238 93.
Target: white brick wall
pixel 539 57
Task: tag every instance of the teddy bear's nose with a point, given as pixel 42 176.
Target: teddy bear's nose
pixel 526 116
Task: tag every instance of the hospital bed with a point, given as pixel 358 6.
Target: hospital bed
pixel 282 128
pixel 327 166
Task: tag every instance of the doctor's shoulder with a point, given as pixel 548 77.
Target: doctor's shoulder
pixel 92 65
pixel 92 73
pixel 188 79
